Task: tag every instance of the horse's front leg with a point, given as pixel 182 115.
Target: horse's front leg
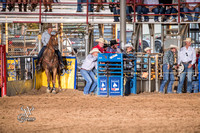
pixel 48 80
pixel 54 80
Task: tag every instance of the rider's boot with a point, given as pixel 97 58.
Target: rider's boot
pixel 62 66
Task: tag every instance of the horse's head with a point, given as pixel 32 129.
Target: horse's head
pixel 54 40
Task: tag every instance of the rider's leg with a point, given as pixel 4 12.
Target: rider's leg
pixel 40 54
pixel 60 59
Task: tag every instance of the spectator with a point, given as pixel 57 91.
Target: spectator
pixel 100 5
pixel 113 47
pixel 146 9
pixel 24 4
pixel 11 4
pixel 129 9
pixel 100 45
pixel 3 5
pixel 79 5
pixel 175 10
pixel 165 9
pixel 33 5
pixel 47 3
pixel 106 45
pixel 87 71
pixel 111 6
pixel 168 62
pixel 116 10
pixel 192 8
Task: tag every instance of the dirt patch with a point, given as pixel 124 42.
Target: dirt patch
pixel 71 111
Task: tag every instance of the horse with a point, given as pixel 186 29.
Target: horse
pixel 50 63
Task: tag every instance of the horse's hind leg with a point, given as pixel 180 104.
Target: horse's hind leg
pixel 48 80
pixel 54 81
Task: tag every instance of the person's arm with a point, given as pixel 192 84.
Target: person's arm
pixel 193 57
pixel 179 57
pixel 44 40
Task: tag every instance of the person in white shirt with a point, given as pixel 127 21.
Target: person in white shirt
pixel 192 8
pixel 187 56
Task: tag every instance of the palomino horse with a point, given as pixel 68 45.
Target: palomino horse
pixel 50 63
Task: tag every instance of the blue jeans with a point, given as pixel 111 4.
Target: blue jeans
pixel 40 54
pixel 116 12
pixel 91 81
pixel 168 73
pixel 139 11
pixel 127 85
pixel 164 11
pixel 189 15
pixel 174 10
pixel 189 72
pixel 146 11
pixel 83 1
pixel 3 4
pixel 129 10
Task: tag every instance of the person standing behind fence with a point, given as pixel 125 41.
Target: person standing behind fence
pixel 33 5
pixel 148 8
pixel 24 4
pixel 116 10
pixel 168 62
pixel 11 4
pixel 192 8
pixel 113 47
pixel 47 3
pixel 187 56
pixel 100 45
pixel 87 71
pixel 3 5
pixel 148 52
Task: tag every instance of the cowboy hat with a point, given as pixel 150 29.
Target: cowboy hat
pixel 173 46
pixel 50 26
pixel 128 45
pixel 188 40
pixel 147 48
pixel 95 50
pixel 113 42
pixel 101 40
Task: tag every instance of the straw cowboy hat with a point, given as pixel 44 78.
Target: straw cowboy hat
pixel 173 46
pixel 50 26
pixel 95 50
pixel 128 45
pixel 188 40
pixel 101 40
pixel 146 49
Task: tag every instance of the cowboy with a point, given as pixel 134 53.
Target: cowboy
pixel 87 71
pixel 168 62
pixel 148 52
pixel 186 56
pixel 113 47
pixel 24 4
pixel 45 39
pixel 128 49
pixel 100 45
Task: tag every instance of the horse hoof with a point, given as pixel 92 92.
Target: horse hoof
pixel 54 91
pixel 48 90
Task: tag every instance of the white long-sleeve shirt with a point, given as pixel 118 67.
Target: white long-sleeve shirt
pixel 193 5
pixel 45 38
pixel 187 55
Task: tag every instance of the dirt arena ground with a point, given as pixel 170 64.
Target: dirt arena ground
pixel 71 111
